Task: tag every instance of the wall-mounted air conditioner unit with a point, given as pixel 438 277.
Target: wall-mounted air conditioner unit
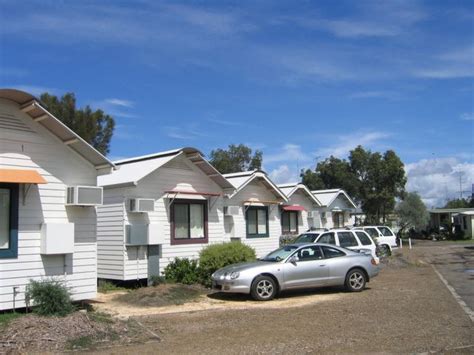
pixel 231 210
pixel 57 238
pixel 141 205
pixel 143 234
pixel 84 196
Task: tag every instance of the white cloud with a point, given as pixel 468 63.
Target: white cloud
pixel 347 142
pixel 289 152
pixel 186 132
pixel 120 102
pixel 283 174
pixel 115 107
pixel 467 116
pixel 438 179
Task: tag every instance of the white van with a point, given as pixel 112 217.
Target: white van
pixel 383 235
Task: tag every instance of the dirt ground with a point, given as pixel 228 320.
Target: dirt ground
pixel 406 309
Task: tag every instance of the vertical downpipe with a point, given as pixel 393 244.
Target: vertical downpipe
pixel 16 291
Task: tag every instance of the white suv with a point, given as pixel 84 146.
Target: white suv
pixel 383 235
pixel 350 239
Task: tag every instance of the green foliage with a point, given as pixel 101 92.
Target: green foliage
pixel 287 239
pixel 107 286
pixel 373 180
pixel 50 297
pixel 460 203
pixel 236 158
pixel 95 127
pixel 216 256
pixel 156 280
pixel 7 317
pixel 412 213
pixel 183 271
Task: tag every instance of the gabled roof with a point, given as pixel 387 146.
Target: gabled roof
pixel 290 189
pixel 452 210
pixel 326 197
pixel 32 107
pixel 242 179
pixel 131 171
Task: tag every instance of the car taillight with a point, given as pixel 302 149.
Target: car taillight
pixel 373 261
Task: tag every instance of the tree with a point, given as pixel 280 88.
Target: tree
pixel 95 127
pixel 312 180
pixel 460 203
pixel 412 213
pixel 235 159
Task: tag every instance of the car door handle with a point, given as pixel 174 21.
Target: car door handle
pixel 322 265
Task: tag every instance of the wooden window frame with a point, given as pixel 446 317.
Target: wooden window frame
pixel 12 251
pixel 189 240
pixel 256 209
pixel 289 222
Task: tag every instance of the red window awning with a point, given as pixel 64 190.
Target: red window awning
pixel 293 208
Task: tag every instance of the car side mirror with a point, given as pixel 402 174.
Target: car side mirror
pixel 293 259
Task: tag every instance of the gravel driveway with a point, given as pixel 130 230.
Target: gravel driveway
pixel 406 309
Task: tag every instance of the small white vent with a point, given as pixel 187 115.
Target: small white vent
pixel 231 210
pixel 84 196
pixel 141 205
pixel 11 122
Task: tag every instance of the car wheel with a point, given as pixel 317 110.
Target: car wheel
pixel 386 250
pixel 356 280
pixel 264 288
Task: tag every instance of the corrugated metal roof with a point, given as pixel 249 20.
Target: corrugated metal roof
pixel 326 197
pixel 32 107
pixel 130 171
pixel 240 180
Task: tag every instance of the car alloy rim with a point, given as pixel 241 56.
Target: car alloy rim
pixel 356 280
pixel 264 288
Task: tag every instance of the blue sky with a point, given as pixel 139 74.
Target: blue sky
pixel 298 80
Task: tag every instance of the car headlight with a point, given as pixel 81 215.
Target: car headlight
pixel 234 275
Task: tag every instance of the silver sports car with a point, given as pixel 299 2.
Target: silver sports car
pixel 297 266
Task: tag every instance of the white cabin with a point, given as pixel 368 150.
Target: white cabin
pixel 156 208
pixel 302 210
pixel 48 194
pixel 252 213
pixel 336 209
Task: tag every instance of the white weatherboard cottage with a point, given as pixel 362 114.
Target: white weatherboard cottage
pixel 301 212
pixel 156 208
pixel 252 213
pixel 48 194
pixel 336 208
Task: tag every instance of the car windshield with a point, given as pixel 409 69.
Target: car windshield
pixel 306 238
pixel 281 253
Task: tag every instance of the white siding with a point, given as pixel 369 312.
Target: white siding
pixel 301 198
pixel 178 174
pixel 38 149
pixel 340 203
pixel 235 226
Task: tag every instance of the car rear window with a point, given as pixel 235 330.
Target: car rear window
pixel 306 238
pixel 364 238
pixel 372 232
pixel 332 252
pixel 386 232
pixel 347 239
pixel 327 238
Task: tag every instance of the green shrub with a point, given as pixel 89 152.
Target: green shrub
pixel 184 271
pixel 50 297
pixel 156 280
pixel 216 256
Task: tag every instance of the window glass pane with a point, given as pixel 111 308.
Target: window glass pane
pixel 197 221
pixel 385 232
pixel 293 222
pixel 252 221
pixel 332 253
pixel 364 238
pixel 262 221
pixel 309 253
pixel 4 218
pixel 285 222
pixel 372 232
pixel 346 239
pixel 327 238
pixel 181 221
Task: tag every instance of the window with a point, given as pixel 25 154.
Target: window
pixel 332 252
pixel 189 222
pixel 289 222
pixel 372 232
pixel 8 221
pixel 347 239
pixel 306 238
pixel 386 232
pixel 327 238
pixel 338 219
pixel 364 238
pixel 257 222
pixel 309 253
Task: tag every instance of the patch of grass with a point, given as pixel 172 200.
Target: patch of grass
pixel 107 286
pixel 81 343
pixel 6 317
pixel 163 295
pixel 100 317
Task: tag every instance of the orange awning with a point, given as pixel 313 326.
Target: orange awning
pixel 17 176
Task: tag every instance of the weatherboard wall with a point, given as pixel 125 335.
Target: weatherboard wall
pixel 304 223
pixel 25 144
